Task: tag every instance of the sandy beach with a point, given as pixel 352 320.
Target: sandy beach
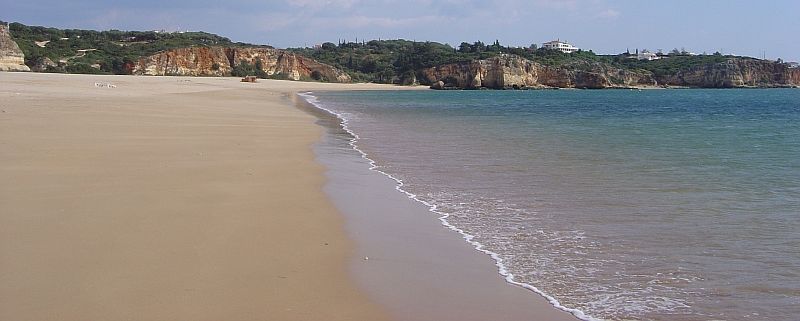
pixel 165 199
pixel 169 198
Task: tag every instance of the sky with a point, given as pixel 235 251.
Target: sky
pixel 751 28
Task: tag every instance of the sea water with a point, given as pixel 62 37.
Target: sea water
pixel 647 205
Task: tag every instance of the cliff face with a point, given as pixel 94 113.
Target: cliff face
pixel 736 72
pixel 220 61
pixel 11 57
pixel 508 71
pixel 200 61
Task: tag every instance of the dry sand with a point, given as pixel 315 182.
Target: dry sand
pixel 169 198
pixel 166 199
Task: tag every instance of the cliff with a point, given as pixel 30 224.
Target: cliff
pixel 220 61
pixel 736 72
pixel 509 71
pixel 11 57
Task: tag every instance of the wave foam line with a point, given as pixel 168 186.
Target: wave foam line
pixel 501 268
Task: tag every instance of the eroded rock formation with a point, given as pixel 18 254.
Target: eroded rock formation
pixel 736 72
pixel 42 64
pixel 509 71
pixel 220 61
pixel 11 57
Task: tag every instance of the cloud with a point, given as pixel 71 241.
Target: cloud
pixel 608 14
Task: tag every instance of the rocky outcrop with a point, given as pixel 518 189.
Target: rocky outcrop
pixel 11 57
pixel 736 72
pixel 509 71
pixel 197 61
pixel 220 61
pixel 43 64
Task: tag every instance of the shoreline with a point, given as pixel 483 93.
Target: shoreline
pixel 463 262
pixel 201 198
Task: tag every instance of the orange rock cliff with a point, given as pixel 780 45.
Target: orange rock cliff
pixel 220 61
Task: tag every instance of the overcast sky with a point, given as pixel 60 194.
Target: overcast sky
pixel 749 28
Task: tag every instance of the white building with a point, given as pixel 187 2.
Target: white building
pixel 646 55
pixel 559 45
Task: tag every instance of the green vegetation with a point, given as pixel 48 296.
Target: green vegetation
pixel 108 52
pixel 381 61
pixel 673 63
pixel 398 61
pixel 245 69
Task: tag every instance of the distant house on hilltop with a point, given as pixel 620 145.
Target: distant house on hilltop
pixel 646 55
pixel 559 45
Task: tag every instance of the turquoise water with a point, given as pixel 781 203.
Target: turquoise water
pixel 651 205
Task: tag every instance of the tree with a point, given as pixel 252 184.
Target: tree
pixel 81 68
pixel 369 65
pixel 478 46
pixel 495 47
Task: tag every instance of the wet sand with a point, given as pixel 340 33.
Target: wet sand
pixel 407 260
